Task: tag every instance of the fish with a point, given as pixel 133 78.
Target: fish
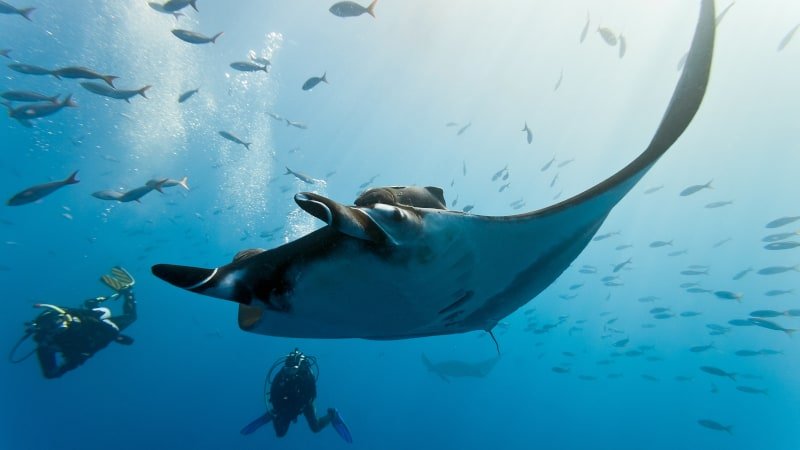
pixel 34 193
pixel 528 133
pixel 623 247
pixel 780 236
pixel 695 188
pixel 658 309
pixel 712 425
pixel 558 369
pixel 718 372
pixel 195 38
pixel 722 14
pixel 83 73
pixel 24 114
pixel 654 189
pixel 766 313
pixel 313 81
pixel 621 265
pixel 177 5
pixel 623 46
pixel 763 323
pixel 751 390
pixel 29 69
pixel 678 252
pixel 302 177
pixel 499 173
pixel 186 95
pixel 120 94
pixel 621 343
pixel 107 195
pixel 460 369
pixel 788 38
pixel 776 292
pixel 585 30
pixel 160 8
pixel 565 162
pixel 747 353
pixel 742 273
pixel 769 352
pixel 274 116
pixel 5 52
pixel 721 242
pixel 698 290
pixel 608 36
pixel 5 8
pixel 657 244
pixel 299 125
pixel 504 187
pixel 168 182
pixel 777 223
pixel 463 129
pixel 702 348
pixel 694 272
pixel 775 270
pixel 553 182
pixel 401 270
pixel 352 9
pixel 728 295
pixel 549 163
pixel 740 323
pixel 555 88
pixel 235 139
pixel 28 96
pixel 786 245
pixel 719 204
pixel 247 66
pixel 662 316
pixel 690 314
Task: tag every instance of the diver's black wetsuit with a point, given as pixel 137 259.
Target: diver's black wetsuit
pixel 83 336
pixel 292 392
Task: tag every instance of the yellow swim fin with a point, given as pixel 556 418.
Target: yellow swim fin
pixel 123 276
pixel 111 282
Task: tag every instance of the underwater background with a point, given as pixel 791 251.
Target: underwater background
pixel 566 378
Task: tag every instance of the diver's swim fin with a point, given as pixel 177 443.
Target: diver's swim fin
pixel 119 280
pixel 256 424
pixel 111 282
pixel 338 424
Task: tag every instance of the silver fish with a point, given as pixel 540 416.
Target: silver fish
pixel 780 236
pixel 24 114
pixel 718 204
pixel 28 96
pixel 558 82
pixel 235 139
pixel 5 52
pixel 107 195
pixel 604 236
pixel 565 162
pixel 786 39
pixel 712 425
pixel 690 314
pixel 623 46
pixel 313 81
pixel 195 38
pixel 247 66
pixel 83 73
pixel 119 94
pixel 763 323
pixel 34 193
pixel 549 163
pixel 186 95
pixel 585 30
pixel 751 390
pixel 718 372
pixel 160 8
pixel 302 177
pixel 782 221
pixel 177 5
pixel 785 245
pixel 776 292
pixel 29 69
pixel 621 265
pixel 499 173
pixel 741 274
pixel 463 129
pixel 654 189
pixel 504 187
pixel 774 270
pixel 169 182
pixel 5 8
pixel 300 125
pixel 352 9
pixel 528 133
pixel 609 36
pixel 695 188
pixel 766 313
pixel 728 295
pixel 657 244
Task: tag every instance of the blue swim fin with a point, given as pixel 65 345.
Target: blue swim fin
pixel 338 424
pixel 256 424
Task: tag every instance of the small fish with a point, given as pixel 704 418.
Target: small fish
pixel 186 95
pixel 769 352
pixel 721 242
pixel 621 343
pixel 195 38
pixel 657 244
pixel 135 194
pixel 274 116
pixel 721 15
pixel 177 5
pixel 302 177
pixel 786 39
pixel 454 202
pixel 654 189
pixel 621 265
pixel 565 162
pixel 780 236
pixel 763 323
pixel 499 173
pixel 623 46
pixel 528 133
pixel 504 187
pixel 663 316
pixel 678 252
pixel 585 30
pixel 107 195
pixel 782 221
pixel 235 139
pixel 688 285
pixel 168 182
pixel 698 290
pixel 728 295
pixel 83 73
pixel 702 348
pixel 160 8
pixel 451 124
pixel 786 245
pixel 712 425
pixel 765 313
pixel 718 372
pixel 715 327
pixel 553 183
pixel 313 81
pixel 40 191
pixel 300 125
pixel 747 353
pixel 549 163
pixel 119 94
pixel 777 292
pixel 28 96
pixel 608 36
pixel 352 9
pixel 658 309
pixel 774 270
pixel 5 8
pixel 741 323
pixel 695 188
pixel 690 314
pixel 741 274
pixel 694 272
pixel 25 114
pixel 5 52
pixel 247 66
pixel 558 369
pixel 649 377
pixel 558 84
pixel 714 205
pixel 29 69
pixel 623 247
pixel 467 208
pixel 463 129
pixel 751 390
pixel 604 236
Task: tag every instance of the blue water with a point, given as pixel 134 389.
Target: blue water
pixel 193 379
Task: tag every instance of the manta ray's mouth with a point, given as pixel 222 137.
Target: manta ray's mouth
pixel 312 204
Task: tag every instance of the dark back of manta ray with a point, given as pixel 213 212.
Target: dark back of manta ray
pixel 416 196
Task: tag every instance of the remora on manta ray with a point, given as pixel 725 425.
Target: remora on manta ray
pixel 399 265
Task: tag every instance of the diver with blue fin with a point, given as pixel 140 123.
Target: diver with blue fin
pixel 66 337
pixel 292 391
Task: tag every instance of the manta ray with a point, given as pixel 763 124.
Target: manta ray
pixel 460 369
pixel 397 264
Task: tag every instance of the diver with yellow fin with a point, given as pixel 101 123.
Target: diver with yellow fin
pixel 292 391
pixel 73 335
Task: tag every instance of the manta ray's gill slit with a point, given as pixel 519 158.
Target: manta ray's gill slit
pixel 460 301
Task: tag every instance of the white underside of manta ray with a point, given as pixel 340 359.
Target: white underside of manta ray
pixel 399 265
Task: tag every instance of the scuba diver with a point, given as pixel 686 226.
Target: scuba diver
pixel 75 334
pixel 292 391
